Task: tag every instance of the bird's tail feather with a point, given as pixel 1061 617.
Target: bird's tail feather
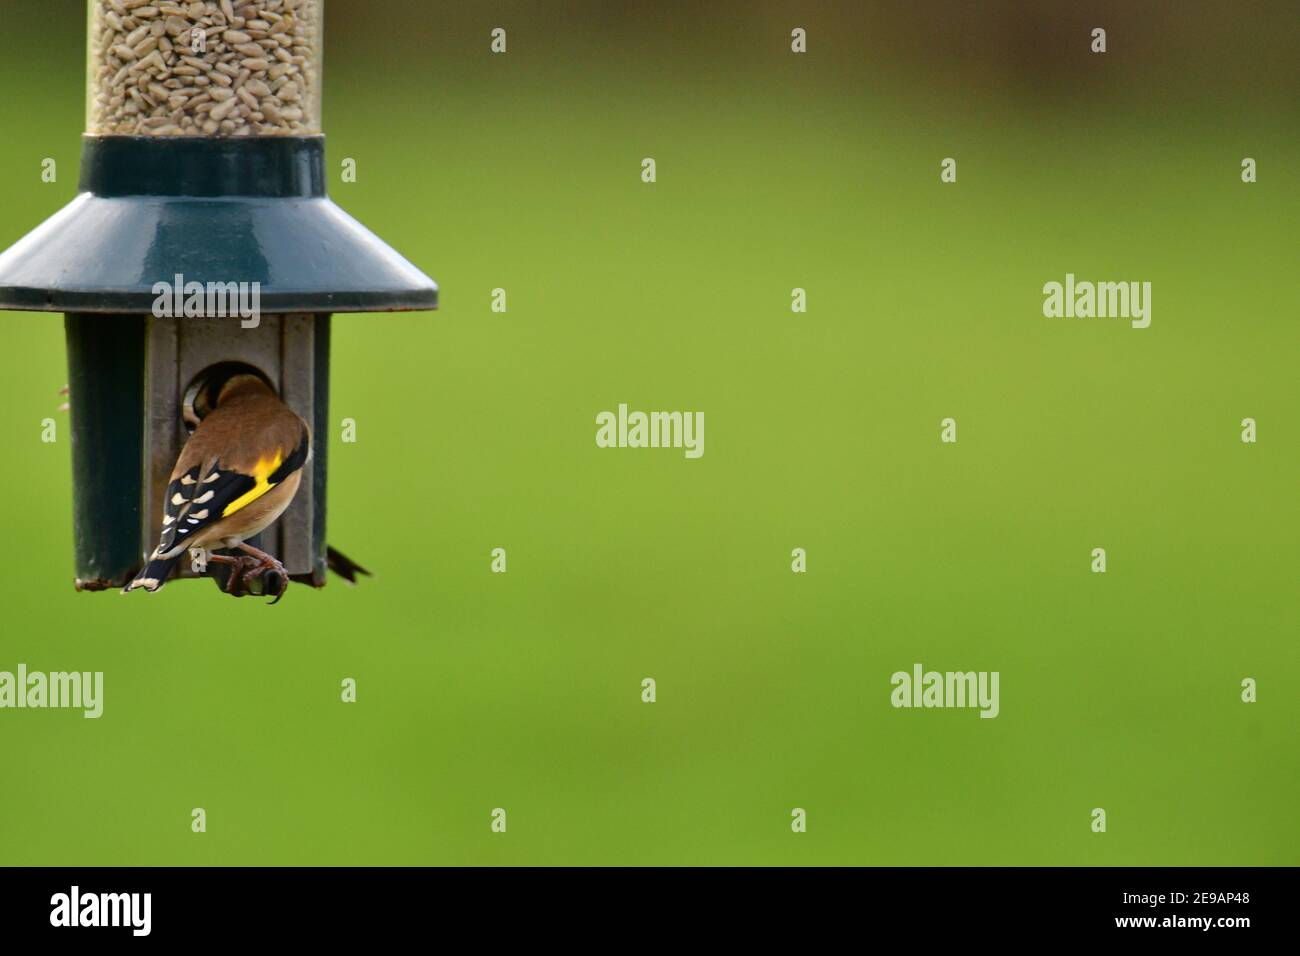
pixel 155 573
pixel 342 565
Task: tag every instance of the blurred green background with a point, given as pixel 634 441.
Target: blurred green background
pixel 476 430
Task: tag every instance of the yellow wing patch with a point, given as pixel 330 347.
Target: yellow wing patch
pixel 261 472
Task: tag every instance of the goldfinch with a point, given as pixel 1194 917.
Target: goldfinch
pixel 237 473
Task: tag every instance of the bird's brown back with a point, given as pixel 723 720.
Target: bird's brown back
pixel 226 428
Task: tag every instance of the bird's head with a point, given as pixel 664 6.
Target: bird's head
pixel 241 385
pixel 218 384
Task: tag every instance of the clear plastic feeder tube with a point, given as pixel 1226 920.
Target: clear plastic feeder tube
pixel 204 68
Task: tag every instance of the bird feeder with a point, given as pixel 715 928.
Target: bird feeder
pixel 201 242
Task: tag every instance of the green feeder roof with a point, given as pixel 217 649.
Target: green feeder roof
pixel 246 209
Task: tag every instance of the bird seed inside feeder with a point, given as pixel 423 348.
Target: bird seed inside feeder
pixel 204 68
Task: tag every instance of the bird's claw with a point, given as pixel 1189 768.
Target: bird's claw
pixel 274 579
pixel 246 572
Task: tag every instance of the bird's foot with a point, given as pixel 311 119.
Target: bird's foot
pixel 248 572
pixel 274 577
pixel 239 565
